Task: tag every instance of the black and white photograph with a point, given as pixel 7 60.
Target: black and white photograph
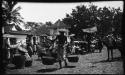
pixel 62 37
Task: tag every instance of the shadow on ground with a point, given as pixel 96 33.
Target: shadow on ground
pixel 12 68
pixel 85 53
pixel 70 67
pixel 47 70
pixel 53 69
pixel 111 60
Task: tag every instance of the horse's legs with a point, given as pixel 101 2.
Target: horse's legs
pixel 122 53
pixel 101 49
pixel 112 54
pixel 108 53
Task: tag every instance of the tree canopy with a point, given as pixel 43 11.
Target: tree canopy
pixel 32 25
pixel 10 15
pixel 105 19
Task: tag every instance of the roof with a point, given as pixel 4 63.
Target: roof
pixel 40 31
pixel 63 30
pixel 18 32
pixel 8 30
pixel 59 24
pixel 14 36
pixel 43 30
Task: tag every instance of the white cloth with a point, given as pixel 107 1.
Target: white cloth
pixel 27 56
pixel 22 49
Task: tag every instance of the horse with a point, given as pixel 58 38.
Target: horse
pixel 111 43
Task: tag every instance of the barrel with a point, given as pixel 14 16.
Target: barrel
pixel 19 61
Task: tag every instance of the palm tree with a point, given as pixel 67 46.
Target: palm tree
pixel 11 16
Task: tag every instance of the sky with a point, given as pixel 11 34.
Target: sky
pixel 43 12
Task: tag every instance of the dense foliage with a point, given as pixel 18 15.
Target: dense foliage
pixel 10 15
pixel 106 19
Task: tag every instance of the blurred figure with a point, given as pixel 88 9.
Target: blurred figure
pixel 34 45
pixel 73 48
pixel 29 46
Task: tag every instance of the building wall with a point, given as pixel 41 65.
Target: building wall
pixel 19 38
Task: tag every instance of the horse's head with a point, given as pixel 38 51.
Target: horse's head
pixel 111 40
pixel 118 41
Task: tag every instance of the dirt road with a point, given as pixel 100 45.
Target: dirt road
pixel 94 63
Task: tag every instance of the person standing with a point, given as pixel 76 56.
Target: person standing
pixel 29 45
pixel 61 53
pixel 34 45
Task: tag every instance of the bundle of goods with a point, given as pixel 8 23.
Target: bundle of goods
pixel 73 58
pixel 28 61
pixel 47 60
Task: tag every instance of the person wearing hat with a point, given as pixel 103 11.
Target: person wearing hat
pixel 61 41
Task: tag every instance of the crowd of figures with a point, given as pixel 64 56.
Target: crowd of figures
pixel 21 55
pixel 94 44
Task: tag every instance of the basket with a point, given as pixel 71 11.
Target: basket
pixel 46 60
pixel 54 55
pixel 28 63
pixel 19 61
pixel 73 58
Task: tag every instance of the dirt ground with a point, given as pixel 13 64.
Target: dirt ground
pixel 93 63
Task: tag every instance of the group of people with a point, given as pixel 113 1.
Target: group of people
pixel 61 41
